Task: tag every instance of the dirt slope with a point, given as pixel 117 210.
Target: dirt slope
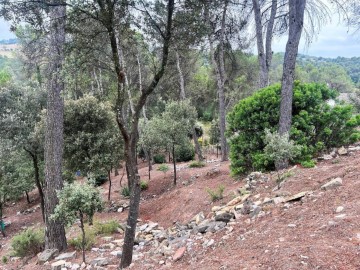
pixel 306 234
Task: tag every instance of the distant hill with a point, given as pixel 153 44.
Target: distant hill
pixel 351 65
pixel 8 41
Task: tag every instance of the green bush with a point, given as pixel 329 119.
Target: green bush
pixel 308 163
pixel 184 152
pixel 144 185
pixel 125 191
pixel 217 194
pixel 4 259
pixel 89 240
pixel 163 168
pixel 316 126
pixel 106 228
pixel 28 242
pixel 197 164
pixel 159 158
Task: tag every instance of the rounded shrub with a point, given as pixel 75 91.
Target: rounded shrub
pixel 316 126
pixel 159 158
pixel 28 242
pixel 184 152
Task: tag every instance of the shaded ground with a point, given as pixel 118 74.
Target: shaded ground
pixel 319 240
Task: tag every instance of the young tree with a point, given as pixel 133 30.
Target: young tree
pixel 172 128
pixel 91 141
pixel 77 201
pixel 296 23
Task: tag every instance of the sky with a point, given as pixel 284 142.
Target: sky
pixel 333 40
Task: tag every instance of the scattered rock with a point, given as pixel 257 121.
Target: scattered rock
pixel 100 262
pixel 116 253
pixel 296 197
pixel 108 238
pixel 342 151
pixel 224 217
pixel 58 265
pixel 179 254
pixel 291 225
pixel 66 256
pixel 47 255
pixel 332 184
pixel 339 209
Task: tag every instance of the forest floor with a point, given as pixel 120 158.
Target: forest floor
pixel 307 234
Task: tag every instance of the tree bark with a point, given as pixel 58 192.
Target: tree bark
pixel 54 230
pixel 83 239
pixel 131 136
pixel 27 197
pixel 174 163
pixel 221 88
pixel 264 55
pixel 183 97
pixel 296 21
pixel 109 177
pixel 1 220
pixel 38 184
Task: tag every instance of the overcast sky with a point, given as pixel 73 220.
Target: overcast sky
pixel 333 40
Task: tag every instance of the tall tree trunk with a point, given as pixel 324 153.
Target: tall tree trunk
pixel 260 44
pixel 269 37
pixel 183 97
pixel 131 137
pixel 221 87
pixel 296 21
pixel 264 55
pixel 54 230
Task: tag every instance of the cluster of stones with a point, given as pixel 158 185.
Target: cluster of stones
pixel 342 151
pixel 165 246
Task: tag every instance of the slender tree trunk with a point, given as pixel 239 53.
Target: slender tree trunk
pixel 149 163
pixel 27 197
pixel 54 230
pixel 38 184
pixel 296 21
pixel 130 135
pixel 264 55
pixel 269 37
pixel 110 184
pixel 174 162
pixel 221 88
pixel 183 97
pixel 1 220
pixel 260 44
pixel 83 240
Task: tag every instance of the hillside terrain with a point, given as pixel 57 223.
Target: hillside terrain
pixel 266 227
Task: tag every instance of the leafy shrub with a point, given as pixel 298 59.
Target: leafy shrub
pixel 89 240
pixel 316 126
pixel 163 168
pixel 159 158
pixel 184 152
pixel 125 191
pixel 106 228
pixel 308 163
pixel 279 147
pixel 197 164
pixel 217 194
pixel 100 179
pixel 4 259
pixel 144 185
pixel 28 242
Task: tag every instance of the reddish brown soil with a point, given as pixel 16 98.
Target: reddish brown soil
pixel 319 240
